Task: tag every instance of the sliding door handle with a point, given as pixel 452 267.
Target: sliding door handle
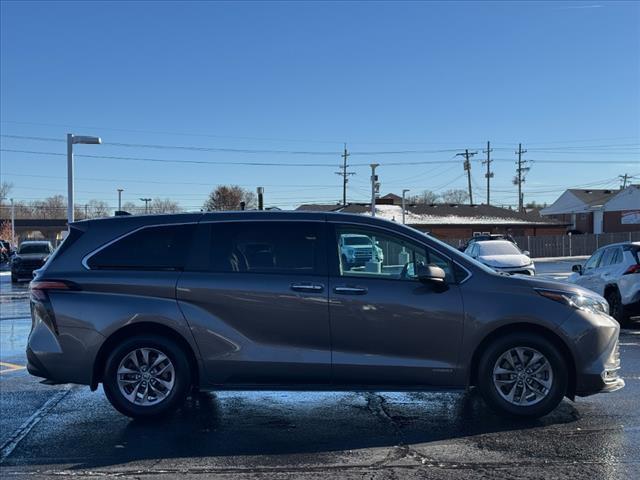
pixel 348 290
pixel 307 287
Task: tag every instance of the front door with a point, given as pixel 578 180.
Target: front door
pixel 255 296
pixel 388 328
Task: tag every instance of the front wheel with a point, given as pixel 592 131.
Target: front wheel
pixel 522 374
pixel 616 308
pixel 147 376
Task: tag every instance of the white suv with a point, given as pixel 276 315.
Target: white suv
pixel 613 272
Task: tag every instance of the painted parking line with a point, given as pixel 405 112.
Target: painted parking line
pixel 6 367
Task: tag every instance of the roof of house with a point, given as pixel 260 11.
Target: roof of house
pixel 445 214
pixel 312 207
pixel 392 196
pixel 593 197
pixel 576 200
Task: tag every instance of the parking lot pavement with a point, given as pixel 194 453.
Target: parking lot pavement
pixel 69 431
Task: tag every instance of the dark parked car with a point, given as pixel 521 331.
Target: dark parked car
pixel 154 306
pixel 30 256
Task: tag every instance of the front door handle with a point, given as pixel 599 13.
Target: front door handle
pixel 307 287
pixel 347 290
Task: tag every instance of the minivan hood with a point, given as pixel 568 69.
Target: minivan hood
pixel 537 282
pixel 32 256
pixel 514 260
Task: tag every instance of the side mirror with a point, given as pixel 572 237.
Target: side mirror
pixel 527 253
pixel 577 268
pixel 430 274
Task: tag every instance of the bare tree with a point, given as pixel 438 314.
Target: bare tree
pixel 50 207
pixel 5 189
pixel 5 231
pixel 132 208
pixel 229 197
pixel 164 205
pixel 97 209
pixel 425 197
pixel 455 196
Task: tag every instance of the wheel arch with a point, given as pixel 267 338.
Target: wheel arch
pixel 139 329
pixel 544 332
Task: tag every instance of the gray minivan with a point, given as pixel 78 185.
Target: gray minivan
pixel 155 306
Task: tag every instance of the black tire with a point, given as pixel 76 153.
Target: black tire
pixel 616 308
pixel 14 279
pixel 498 347
pixel 182 379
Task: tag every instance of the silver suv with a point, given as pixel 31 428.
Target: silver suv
pixel 154 306
pixel 613 272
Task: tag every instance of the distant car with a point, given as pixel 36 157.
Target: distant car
pixel 356 250
pixel 487 236
pixel 502 255
pixel 613 271
pixel 31 255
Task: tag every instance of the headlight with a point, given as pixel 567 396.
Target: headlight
pixel 16 260
pixel 590 303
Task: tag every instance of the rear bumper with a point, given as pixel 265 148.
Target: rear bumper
pixel 67 357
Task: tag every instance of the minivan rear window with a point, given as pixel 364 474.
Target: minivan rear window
pixel 150 248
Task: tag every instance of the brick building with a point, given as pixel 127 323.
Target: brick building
pixel 598 211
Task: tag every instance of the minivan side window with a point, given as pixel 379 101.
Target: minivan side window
pixel 295 248
pixel 150 248
pixel 373 254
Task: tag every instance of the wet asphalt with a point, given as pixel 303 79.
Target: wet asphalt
pixel 68 431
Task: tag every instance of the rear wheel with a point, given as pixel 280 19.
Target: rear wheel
pixel 616 308
pixel 147 376
pixel 14 279
pixel 522 374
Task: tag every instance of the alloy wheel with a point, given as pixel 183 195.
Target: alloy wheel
pixel 146 376
pixel 522 376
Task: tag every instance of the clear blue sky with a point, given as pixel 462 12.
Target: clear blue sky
pixel 563 78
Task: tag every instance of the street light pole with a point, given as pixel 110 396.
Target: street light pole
pixel 71 140
pixel 374 187
pixel 13 222
pixel 146 204
pixel 403 203
pixel 120 190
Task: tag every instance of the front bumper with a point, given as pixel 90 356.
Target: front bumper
pixel 597 354
pixel 526 270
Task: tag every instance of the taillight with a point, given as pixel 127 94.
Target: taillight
pixel 633 269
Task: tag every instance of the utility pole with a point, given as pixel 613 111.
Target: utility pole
pixel 519 178
pixel 375 187
pixel 71 141
pixel 120 190
pixel 624 179
pixel 13 223
pixel 146 204
pixel 403 203
pixel 489 173
pixel 467 167
pixel 344 174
